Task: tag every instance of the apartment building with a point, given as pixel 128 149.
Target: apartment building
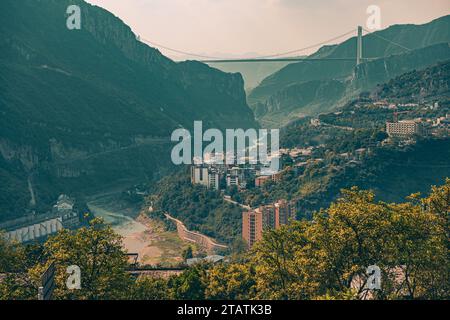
pixel 205 176
pixel 284 211
pixel 259 181
pixel 268 216
pixel 252 227
pixel 272 216
pixel 404 128
pixel 213 180
pixel 232 180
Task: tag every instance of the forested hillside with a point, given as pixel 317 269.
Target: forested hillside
pixel 349 149
pixel 200 209
pixel 426 84
pixel 83 110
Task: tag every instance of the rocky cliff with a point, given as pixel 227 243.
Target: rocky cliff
pixel 82 110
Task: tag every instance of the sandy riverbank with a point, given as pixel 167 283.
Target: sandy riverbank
pixel 141 235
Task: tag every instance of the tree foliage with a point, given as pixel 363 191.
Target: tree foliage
pixel 323 258
pixel 97 251
pixel 309 260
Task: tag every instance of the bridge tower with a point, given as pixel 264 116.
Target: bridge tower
pixel 359 55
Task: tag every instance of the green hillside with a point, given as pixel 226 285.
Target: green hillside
pixel 392 170
pixel 429 83
pixel 87 109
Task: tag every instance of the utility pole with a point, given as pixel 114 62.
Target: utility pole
pixel 359 46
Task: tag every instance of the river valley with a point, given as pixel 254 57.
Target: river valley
pixel 141 234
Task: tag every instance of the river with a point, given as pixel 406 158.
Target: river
pixel 121 223
pixel 140 234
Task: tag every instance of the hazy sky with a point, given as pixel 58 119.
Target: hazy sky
pixel 233 28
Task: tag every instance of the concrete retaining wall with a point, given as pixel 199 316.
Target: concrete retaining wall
pixel 204 241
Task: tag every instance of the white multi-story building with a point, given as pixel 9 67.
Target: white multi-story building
pixel 64 208
pixel 213 180
pixel 199 175
pixel 205 176
pixel 232 180
pixel 404 128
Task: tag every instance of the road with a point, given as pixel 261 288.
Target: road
pixel 237 203
pixel 147 142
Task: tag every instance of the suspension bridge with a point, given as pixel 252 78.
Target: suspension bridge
pixel 287 56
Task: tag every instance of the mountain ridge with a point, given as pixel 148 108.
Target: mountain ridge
pixel 417 37
pixel 81 110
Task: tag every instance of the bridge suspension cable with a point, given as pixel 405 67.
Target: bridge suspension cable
pixel 275 55
pixel 281 56
pixel 154 44
pixel 387 40
pixel 308 47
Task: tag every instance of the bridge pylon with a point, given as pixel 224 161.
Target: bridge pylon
pixel 359 53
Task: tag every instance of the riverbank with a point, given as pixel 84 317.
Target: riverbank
pixel 142 235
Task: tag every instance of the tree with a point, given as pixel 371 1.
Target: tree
pixel 187 253
pixel 190 285
pixel 323 257
pixel 231 281
pixel 282 267
pixel 97 251
pixel 149 289
pixel 14 283
pixel 12 255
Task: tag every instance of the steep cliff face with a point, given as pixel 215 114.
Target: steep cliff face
pixel 368 75
pixel 298 100
pixel 432 83
pixel 84 109
pixel 313 97
pixel 428 44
